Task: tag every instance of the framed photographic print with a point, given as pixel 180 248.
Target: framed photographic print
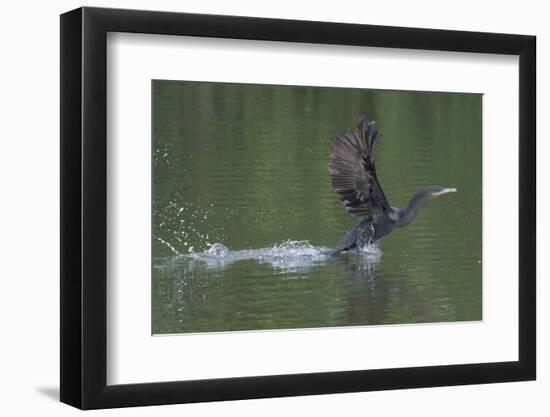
pixel 258 207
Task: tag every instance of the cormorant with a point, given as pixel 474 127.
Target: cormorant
pixel 352 176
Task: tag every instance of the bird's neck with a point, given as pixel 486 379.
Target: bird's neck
pixel 407 215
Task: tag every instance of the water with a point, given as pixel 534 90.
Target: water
pixel 243 213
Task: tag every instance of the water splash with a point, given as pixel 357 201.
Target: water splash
pixel 168 245
pixel 370 249
pixel 290 255
pixel 180 223
pixel 217 250
pixel 287 256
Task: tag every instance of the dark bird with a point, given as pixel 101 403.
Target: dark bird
pixel 352 174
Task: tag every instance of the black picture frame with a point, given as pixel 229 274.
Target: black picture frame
pixel 84 207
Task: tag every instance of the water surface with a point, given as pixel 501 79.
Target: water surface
pixel 243 210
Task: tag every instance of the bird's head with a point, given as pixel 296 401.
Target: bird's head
pixel 419 199
pixel 426 194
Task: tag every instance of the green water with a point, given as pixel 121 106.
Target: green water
pixel 246 166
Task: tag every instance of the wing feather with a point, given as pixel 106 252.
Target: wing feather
pixel 352 172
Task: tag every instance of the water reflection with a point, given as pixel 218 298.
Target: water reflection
pixel 210 289
pixel 374 296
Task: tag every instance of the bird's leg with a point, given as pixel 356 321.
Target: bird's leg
pixel 358 237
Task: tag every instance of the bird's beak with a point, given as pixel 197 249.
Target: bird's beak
pixel 445 191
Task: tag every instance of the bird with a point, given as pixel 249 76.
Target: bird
pixel 352 175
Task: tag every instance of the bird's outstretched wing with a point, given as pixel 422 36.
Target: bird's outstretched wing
pixel 352 172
